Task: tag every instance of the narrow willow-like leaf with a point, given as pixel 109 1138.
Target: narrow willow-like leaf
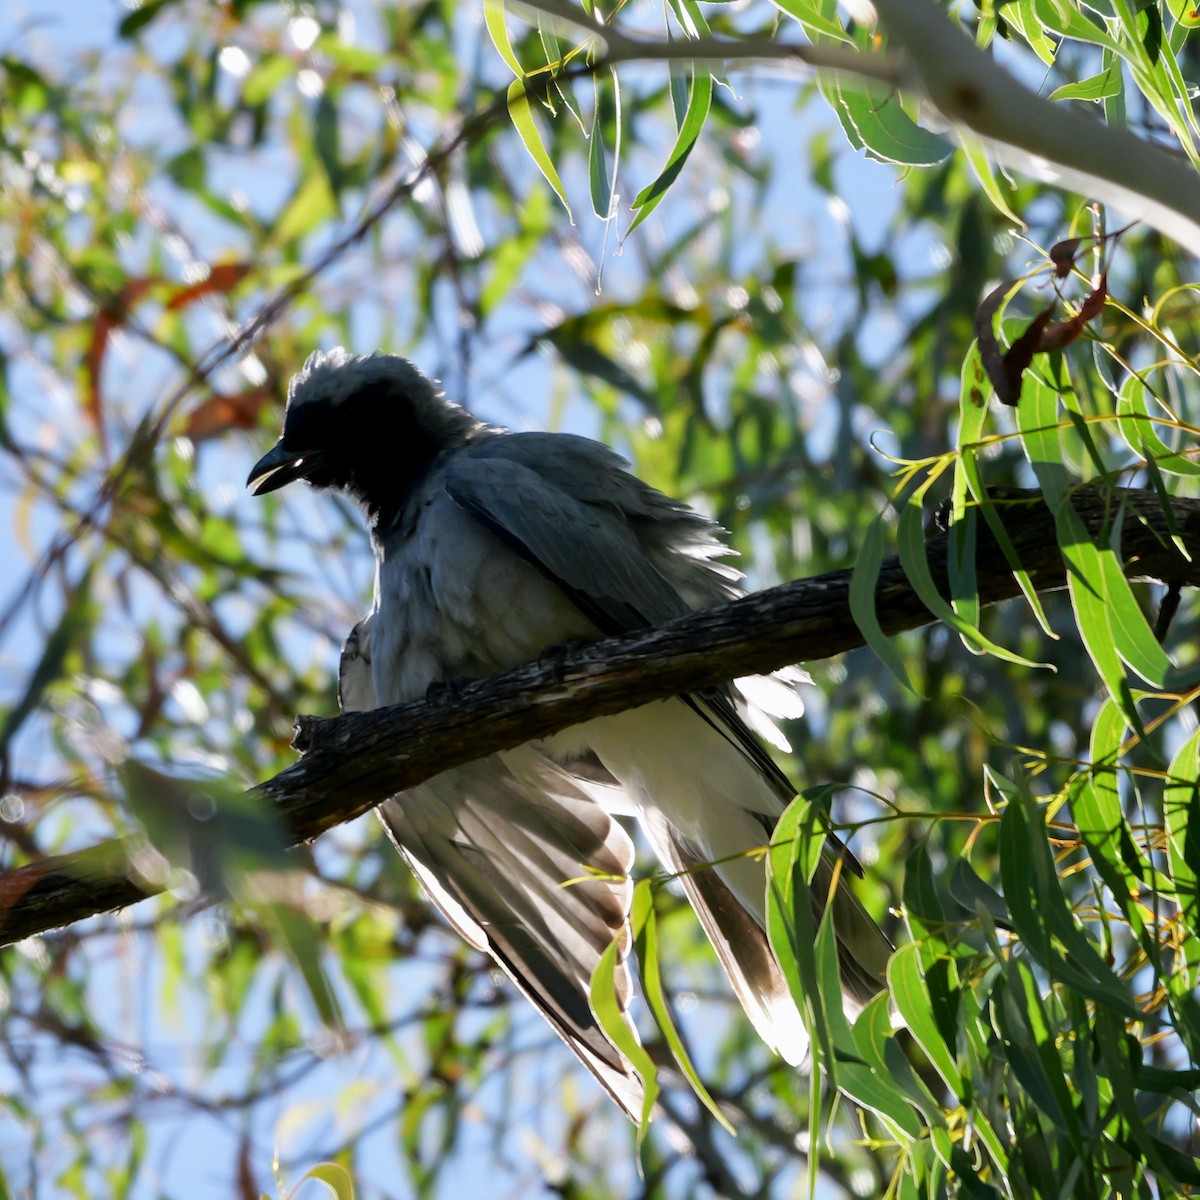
pixel 871 1089
pixel 1042 915
pixel 493 20
pixel 1135 640
pixel 791 928
pixel 862 602
pixel 1095 87
pixel 1095 802
pixel 876 1042
pixel 335 1177
pixel 994 187
pixel 884 130
pixel 601 181
pixel 1041 436
pixel 698 105
pixel 1181 810
pixel 972 417
pixel 1025 1043
pixel 312 203
pixel 1139 428
pixel 603 998
pixel 1093 617
pixel 645 931
pixel 521 112
pixel 1114 1053
pixel 817 20
pixel 75 622
pixel 910 994
pixel 910 544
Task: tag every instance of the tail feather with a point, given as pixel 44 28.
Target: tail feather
pixel 742 948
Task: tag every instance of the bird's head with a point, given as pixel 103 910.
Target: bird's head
pixel 369 426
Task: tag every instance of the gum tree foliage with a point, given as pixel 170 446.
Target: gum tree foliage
pixel 808 302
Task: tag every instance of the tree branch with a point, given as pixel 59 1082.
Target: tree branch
pixel 353 762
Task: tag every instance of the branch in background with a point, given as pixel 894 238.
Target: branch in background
pixel 1052 142
pixel 1055 143
pixel 354 762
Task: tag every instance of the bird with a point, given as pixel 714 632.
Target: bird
pixel 492 546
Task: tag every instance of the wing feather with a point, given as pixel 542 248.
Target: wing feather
pixel 527 867
pixel 626 554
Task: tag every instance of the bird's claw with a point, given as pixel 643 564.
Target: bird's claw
pixel 554 658
pixel 447 691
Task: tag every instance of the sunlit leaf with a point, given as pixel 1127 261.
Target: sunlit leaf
pixel 521 112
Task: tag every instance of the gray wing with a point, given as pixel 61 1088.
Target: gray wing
pixel 627 555
pixel 527 867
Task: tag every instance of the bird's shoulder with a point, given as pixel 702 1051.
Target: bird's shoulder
pixel 588 471
pixel 578 490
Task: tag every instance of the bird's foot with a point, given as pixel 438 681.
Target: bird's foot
pixel 555 657
pixel 447 691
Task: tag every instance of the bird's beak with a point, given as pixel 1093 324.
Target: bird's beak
pixel 279 467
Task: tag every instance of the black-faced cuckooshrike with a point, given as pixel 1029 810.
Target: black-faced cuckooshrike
pixel 490 547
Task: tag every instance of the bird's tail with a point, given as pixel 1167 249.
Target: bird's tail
pixel 737 933
pixel 741 945
pixel 708 809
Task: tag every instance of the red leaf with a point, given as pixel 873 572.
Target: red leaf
pixel 985 335
pixel 223 277
pixel 221 413
pixel 1065 332
pixel 110 316
pixel 1020 354
pixel 1062 255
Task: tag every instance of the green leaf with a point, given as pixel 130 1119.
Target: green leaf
pixel 910 544
pixel 876 122
pixel 973 893
pixel 603 996
pixel 699 101
pixel 876 1042
pixel 72 626
pixel 911 995
pixel 327 141
pixel 979 160
pixel 1139 428
pixel 267 77
pixel 1028 1043
pixel 1181 812
pixel 923 910
pixel 791 927
pixel 602 182
pixel 645 931
pixel 335 1177
pixel 1023 17
pixel 493 19
pixel 1095 802
pixel 1042 915
pixel 1095 87
pixel 132 24
pixel 1134 639
pixel 972 416
pixel 862 601
pixel 1041 437
pixel 818 20
pixel 521 112
pixel 189 168
pixel 312 204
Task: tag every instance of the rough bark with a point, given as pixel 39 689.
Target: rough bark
pixel 351 763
